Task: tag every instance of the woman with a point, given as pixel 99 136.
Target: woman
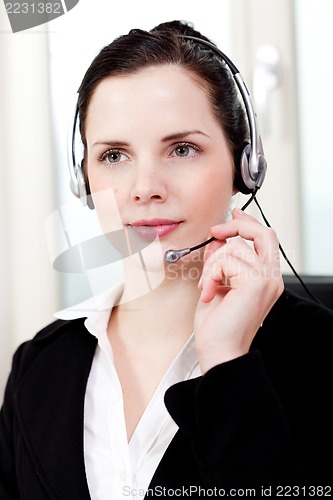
pixel 84 414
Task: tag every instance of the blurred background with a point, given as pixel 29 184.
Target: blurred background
pixel 283 49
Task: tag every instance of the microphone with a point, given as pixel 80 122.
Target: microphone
pixel 172 256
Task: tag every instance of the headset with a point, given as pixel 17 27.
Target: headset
pixel 78 184
pixel 250 172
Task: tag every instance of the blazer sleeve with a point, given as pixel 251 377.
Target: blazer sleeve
pixel 8 483
pixel 236 425
pixel 265 418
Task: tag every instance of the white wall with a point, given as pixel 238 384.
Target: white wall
pixel 262 22
pixel 28 293
pixel 314 37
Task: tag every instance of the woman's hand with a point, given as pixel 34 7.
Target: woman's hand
pixel 240 283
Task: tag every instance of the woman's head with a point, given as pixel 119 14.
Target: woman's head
pixel 163 45
pixel 160 122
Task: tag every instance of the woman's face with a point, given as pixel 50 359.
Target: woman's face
pixel 154 142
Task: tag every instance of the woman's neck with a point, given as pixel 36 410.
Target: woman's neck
pixel 156 314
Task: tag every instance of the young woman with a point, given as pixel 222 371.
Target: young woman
pixel 211 383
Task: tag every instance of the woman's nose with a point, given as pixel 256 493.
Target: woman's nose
pixel 148 184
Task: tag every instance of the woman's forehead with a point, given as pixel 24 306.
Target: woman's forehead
pixel 160 76
pixel 158 94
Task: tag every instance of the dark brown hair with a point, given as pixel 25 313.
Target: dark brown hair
pixel 164 45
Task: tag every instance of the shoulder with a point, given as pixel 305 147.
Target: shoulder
pixel 294 312
pixel 53 339
pixel 296 328
pixel 58 328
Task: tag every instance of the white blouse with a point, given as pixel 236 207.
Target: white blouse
pixel 117 469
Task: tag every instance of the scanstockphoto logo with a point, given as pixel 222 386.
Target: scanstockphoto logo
pixel 96 243
pixel 24 15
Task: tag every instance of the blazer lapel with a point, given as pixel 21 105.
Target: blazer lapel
pixel 50 408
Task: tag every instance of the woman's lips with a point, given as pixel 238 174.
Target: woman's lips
pixel 149 229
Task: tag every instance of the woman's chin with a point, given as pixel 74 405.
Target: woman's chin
pixel 146 263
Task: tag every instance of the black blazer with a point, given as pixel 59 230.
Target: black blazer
pixel 261 420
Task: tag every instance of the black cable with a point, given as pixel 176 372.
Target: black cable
pixel 285 256
pixel 253 197
pixel 202 244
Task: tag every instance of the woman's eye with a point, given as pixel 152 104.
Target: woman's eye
pixel 112 157
pixel 185 150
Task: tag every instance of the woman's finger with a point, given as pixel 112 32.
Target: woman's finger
pixel 212 247
pixel 243 225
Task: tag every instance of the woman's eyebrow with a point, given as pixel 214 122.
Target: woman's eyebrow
pixel 113 143
pixel 177 135
pixel 182 135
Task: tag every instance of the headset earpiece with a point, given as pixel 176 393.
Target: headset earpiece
pixel 253 170
pixel 81 183
pixel 239 183
pixel 80 186
pixel 249 173
pixel 84 188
